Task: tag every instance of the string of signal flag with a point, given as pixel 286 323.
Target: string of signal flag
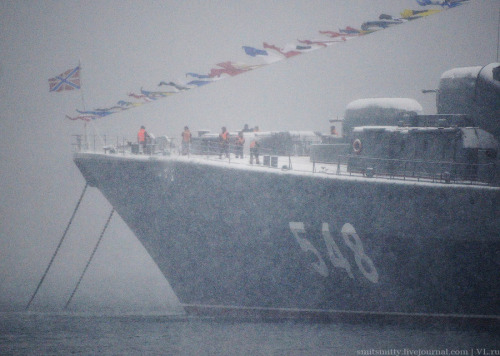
pixel 71 79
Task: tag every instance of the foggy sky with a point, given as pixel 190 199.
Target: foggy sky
pixel 126 45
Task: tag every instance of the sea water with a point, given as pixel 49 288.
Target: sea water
pixel 91 334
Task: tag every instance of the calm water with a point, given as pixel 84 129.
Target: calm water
pixel 41 334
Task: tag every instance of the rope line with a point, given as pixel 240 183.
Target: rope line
pixel 58 246
pixel 90 258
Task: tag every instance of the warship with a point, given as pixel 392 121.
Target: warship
pixel 398 216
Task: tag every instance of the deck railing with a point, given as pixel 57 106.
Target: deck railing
pixel 344 165
pixel 435 171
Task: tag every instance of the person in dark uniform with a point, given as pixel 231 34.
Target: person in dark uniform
pixel 254 151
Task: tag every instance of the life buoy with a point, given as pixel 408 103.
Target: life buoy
pixel 357 146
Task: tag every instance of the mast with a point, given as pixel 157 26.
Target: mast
pixel 85 137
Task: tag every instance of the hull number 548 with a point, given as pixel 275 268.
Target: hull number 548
pixel 351 240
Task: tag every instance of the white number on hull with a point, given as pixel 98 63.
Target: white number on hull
pixel 320 265
pixel 338 260
pixel 359 253
pixel 351 239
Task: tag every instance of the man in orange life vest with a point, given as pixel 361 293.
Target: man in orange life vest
pixel 143 138
pixel 254 151
pixel 224 142
pixel 186 140
pixel 240 141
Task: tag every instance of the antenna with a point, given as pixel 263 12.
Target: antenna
pixel 498 33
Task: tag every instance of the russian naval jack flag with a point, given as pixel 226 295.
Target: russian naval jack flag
pixel 69 80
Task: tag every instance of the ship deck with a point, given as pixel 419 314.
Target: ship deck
pixel 296 165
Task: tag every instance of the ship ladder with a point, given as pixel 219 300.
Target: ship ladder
pixel 58 247
pixel 90 258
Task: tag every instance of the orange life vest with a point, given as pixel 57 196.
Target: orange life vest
pixel 141 135
pixel 186 136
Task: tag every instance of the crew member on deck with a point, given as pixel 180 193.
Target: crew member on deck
pixel 254 151
pixel 186 140
pixel 240 141
pixel 333 130
pixel 224 142
pixel 143 138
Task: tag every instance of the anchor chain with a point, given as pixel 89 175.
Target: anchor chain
pixel 58 246
pixel 90 258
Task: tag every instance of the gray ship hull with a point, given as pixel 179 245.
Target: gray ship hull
pixel 262 239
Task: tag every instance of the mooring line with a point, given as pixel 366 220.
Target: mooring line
pixel 90 258
pixel 58 246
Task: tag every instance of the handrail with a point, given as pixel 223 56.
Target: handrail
pixel 344 165
pixel 446 171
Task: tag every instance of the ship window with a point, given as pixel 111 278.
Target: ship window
pixel 425 145
pixel 496 73
pixel 445 144
pixel 491 154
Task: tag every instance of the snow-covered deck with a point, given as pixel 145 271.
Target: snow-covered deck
pixel 296 165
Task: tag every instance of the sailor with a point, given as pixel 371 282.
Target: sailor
pixel 240 141
pixel 254 151
pixel 143 138
pixel 333 130
pixel 224 142
pixel 246 128
pixel 186 140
